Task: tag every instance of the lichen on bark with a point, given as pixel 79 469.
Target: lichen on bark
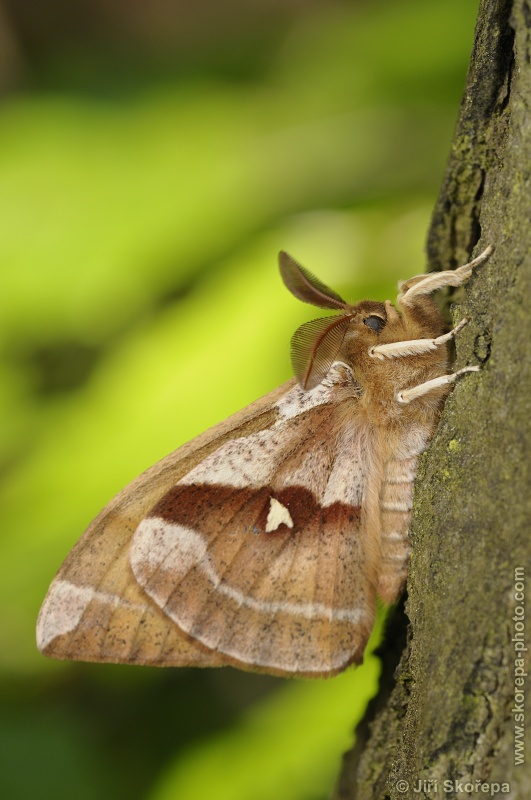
pixel 447 713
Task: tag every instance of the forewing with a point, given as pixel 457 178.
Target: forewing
pixel 260 553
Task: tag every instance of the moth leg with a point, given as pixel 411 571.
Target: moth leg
pixel 414 347
pixel 426 284
pixel 407 395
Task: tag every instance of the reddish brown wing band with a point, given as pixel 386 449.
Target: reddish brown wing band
pixel 256 596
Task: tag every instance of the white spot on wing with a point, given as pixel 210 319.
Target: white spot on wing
pixel 278 514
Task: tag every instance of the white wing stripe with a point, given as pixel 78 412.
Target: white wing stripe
pixel 163 545
pixel 64 606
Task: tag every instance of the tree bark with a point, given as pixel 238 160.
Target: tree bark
pixel 448 711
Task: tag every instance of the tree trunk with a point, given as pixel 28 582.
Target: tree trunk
pixel 451 713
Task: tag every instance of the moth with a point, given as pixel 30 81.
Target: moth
pixel 264 542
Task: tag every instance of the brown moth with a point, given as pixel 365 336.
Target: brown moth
pixel 264 542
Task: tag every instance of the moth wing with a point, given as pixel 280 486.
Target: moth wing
pixel 262 553
pixel 95 610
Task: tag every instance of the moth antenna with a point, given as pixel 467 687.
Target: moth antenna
pixel 314 347
pixel 307 287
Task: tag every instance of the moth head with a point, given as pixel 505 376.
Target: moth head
pixel 316 344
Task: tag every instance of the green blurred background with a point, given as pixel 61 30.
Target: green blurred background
pixel 154 158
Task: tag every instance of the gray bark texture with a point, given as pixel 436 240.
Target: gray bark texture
pixel 447 711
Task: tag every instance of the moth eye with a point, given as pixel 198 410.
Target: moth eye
pixel 375 323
